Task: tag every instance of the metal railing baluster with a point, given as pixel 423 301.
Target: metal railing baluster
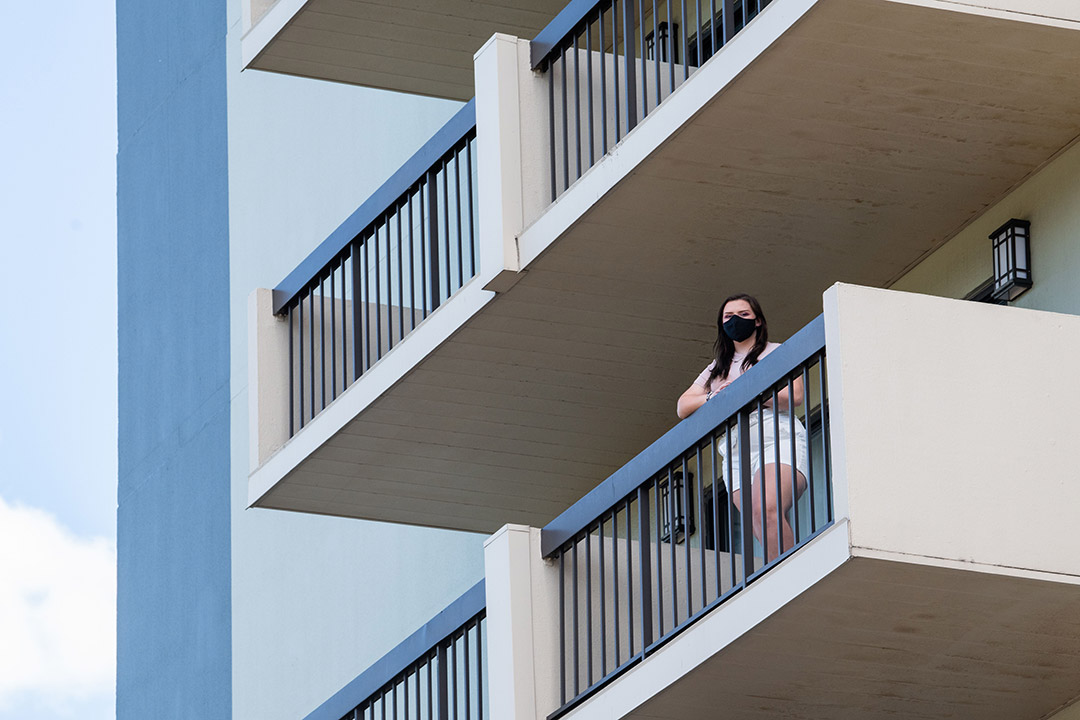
pixel 701 522
pixel 714 472
pixel 467 671
pixel 357 293
pixel 589 88
pixel 615 581
pixel 562 626
pixel 746 495
pixel 588 610
pixel 322 344
pixel 672 518
pixel 574 610
pixel 670 50
pixel 630 76
pixel 457 208
pixel 809 453
pixel 603 603
pixel 728 473
pixel 446 225
pixel 659 559
pixel 577 105
pixel 603 85
pixel 685 56
pixel 795 469
pixel 826 456
pixel 643 63
pixel 292 403
pixel 685 517
pixel 564 68
pixel 630 579
pixel 480 670
pixel 615 64
pixel 551 129
pixel 780 519
pixel 311 347
pixel 644 569
pixel 378 296
pixel 472 223
pixel 656 53
pixel 442 684
pixel 400 275
pixel 333 336
pixel 366 300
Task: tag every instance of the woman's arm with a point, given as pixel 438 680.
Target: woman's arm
pixel 782 397
pixel 694 397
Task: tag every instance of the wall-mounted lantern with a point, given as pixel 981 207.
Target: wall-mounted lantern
pixel 1012 259
pixel 684 521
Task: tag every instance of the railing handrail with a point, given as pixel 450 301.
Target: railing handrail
pixel 553 33
pixel 440 144
pixel 758 379
pixel 413 648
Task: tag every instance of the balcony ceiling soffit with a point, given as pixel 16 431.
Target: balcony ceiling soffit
pixel 879 639
pixel 415 47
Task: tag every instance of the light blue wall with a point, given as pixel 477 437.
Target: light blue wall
pixel 316 599
pixel 173 594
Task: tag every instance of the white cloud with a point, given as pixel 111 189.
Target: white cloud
pixel 57 613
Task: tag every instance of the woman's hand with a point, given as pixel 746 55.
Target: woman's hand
pixel 694 397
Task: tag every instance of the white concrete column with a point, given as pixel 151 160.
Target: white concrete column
pixel 268 378
pixel 523 626
pixel 512 139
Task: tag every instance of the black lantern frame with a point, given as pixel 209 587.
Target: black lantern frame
pixel 1012 259
pixel 684 517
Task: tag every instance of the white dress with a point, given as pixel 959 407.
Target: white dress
pixel 777 429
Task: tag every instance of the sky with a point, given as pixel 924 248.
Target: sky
pixel 58 360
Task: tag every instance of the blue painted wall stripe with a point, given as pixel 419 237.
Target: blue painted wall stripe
pixel 173 520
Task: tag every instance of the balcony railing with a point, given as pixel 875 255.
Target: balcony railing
pixel 384 270
pixel 609 63
pixel 437 673
pixel 626 587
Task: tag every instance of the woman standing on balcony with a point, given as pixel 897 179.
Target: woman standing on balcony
pixel 742 339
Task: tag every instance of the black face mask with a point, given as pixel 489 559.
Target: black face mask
pixel 739 328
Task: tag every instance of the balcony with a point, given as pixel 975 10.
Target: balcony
pixel 930 573
pixel 940 580
pixel 821 141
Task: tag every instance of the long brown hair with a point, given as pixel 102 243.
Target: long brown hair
pixel 724 348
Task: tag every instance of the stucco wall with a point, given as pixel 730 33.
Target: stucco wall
pixel 1050 199
pixel 316 599
pixel 950 442
pixel 173 600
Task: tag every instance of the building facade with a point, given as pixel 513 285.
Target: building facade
pixel 407 294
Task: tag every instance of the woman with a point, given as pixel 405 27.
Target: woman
pixel 742 339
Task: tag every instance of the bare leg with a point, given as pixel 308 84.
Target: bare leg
pixel 776 507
